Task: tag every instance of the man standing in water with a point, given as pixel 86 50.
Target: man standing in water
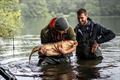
pixel 57 30
pixel 89 36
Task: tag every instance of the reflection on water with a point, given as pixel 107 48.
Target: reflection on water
pixel 88 70
pixel 58 72
pixel 107 69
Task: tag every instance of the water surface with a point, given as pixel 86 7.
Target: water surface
pixel 17 62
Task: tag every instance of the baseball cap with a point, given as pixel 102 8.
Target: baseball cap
pixel 61 24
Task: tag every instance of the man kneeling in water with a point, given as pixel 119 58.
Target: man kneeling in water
pixel 52 49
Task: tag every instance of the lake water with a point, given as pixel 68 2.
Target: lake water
pixel 34 25
pixel 14 56
pixel 17 62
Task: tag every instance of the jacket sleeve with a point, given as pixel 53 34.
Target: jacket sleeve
pixel 72 34
pixel 104 34
pixel 43 36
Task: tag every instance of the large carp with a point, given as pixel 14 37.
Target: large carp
pixel 51 49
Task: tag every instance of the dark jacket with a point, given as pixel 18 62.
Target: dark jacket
pixel 49 35
pixel 87 35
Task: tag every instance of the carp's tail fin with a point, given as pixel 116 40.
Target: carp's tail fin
pixel 35 49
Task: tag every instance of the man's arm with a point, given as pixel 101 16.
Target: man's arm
pixel 72 34
pixel 63 51
pixel 105 35
pixel 43 35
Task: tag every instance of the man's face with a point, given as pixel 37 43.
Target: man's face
pixel 83 18
pixel 62 32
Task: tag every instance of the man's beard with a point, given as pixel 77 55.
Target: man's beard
pixel 82 23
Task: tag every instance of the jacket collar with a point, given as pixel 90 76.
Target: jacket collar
pixel 89 26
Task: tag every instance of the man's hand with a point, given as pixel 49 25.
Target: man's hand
pixel 63 51
pixel 94 47
pixel 43 50
pixel 75 44
pixel 60 49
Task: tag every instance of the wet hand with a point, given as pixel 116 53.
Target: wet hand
pixel 61 50
pixel 94 47
pixel 43 50
pixel 75 44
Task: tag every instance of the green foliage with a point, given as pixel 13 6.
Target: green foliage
pixel 53 6
pixel 110 7
pixel 10 22
pixel 34 8
pixel 93 7
pixel 49 8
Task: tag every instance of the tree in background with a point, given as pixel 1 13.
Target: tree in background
pixel 110 7
pixel 48 8
pixel 34 8
pixel 10 23
pixel 93 7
